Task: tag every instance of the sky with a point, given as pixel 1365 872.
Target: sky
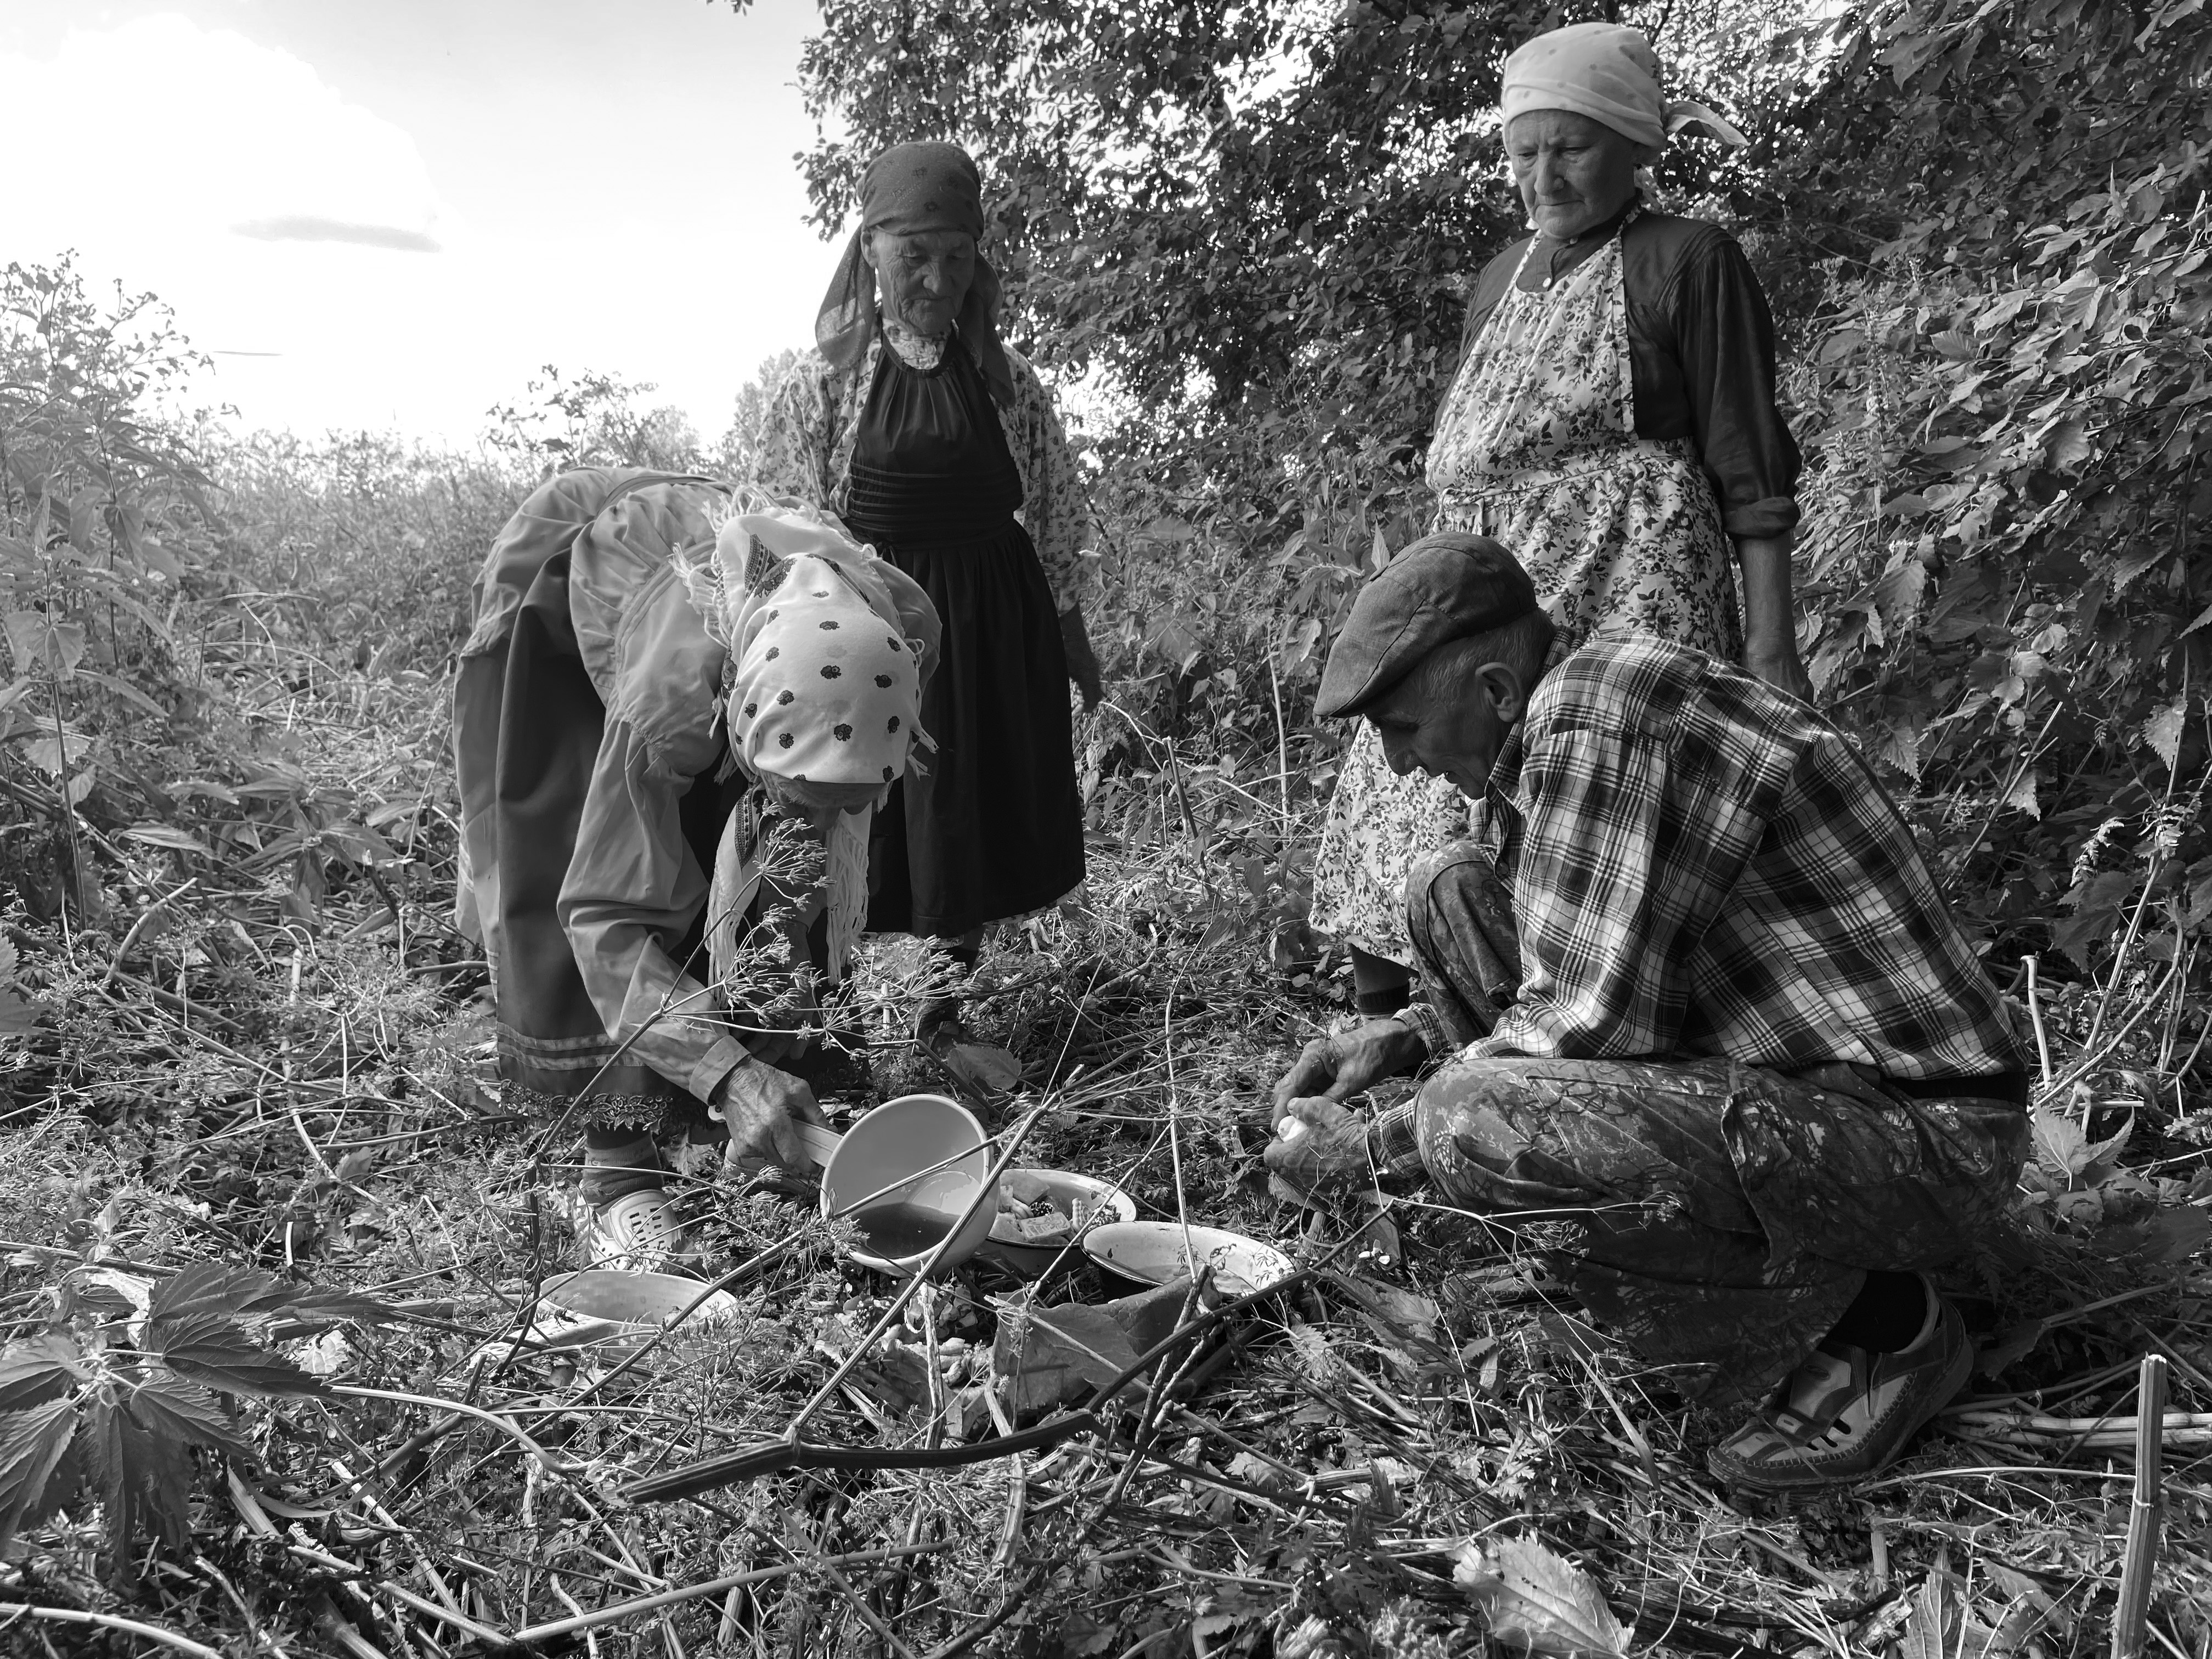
pixel 390 214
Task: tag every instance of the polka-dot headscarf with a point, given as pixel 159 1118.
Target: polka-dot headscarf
pixel 830 646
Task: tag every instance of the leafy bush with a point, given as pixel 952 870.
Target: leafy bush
pixel 106 531
pixel 2002 389
pixel 364 545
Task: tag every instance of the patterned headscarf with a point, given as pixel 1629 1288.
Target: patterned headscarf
pixel 1607 71
pixel 828 652
pixel 908 190
pixel 830 648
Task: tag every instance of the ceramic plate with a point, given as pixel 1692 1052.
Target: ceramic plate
pixel 1152 1253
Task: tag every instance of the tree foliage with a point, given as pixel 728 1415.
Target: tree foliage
pixel 2003 382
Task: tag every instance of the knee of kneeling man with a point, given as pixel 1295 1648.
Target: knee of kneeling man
pixel 1441 868
pixel 1481 1107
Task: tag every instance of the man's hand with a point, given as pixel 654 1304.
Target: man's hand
pixel 1331 1067
pixel 760 1104
pixel 1319 1144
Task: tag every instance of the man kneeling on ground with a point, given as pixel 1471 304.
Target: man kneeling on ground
pixel 1696 994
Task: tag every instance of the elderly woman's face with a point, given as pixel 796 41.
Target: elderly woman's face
pixel 921 279
pixel 1574 173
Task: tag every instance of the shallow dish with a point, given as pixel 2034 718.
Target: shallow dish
pixel 1102 1202
pixel 614 1313
pixel 1152 1253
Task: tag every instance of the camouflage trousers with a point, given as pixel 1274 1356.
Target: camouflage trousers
pixel 1721 1216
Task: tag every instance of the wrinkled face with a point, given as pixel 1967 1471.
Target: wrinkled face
pixel 921 279
pixel 1573 174
pixel 1454 733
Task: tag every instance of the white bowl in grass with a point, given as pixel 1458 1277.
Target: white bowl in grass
pixel 927 1150
pixel 1087 1200
pixel 1154 1253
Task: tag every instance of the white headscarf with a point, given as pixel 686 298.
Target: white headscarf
pixel 1607 71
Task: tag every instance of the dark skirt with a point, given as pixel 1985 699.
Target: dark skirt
pixel 995 828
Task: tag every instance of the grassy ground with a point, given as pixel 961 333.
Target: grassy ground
pixel 284 1067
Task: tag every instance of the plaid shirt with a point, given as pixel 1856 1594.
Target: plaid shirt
pixel 1701 865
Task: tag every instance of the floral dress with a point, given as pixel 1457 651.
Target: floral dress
pixel 1536 446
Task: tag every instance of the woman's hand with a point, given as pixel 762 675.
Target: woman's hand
pixel 760 1104
pixel 1082 661
pixel 1776 662
pixel 1770 615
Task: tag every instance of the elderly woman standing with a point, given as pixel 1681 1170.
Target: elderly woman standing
pixel 938 446
pixel 672 724
pixel 1613 423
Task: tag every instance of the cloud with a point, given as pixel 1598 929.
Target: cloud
pixel 199 129
pixel 309 227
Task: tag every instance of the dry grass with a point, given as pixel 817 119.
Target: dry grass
pixel 311 1099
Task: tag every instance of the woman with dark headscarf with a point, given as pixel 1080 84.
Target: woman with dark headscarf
pixel 916 424
pixel 1613 423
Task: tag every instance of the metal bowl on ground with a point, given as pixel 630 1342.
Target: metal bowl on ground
pixel 1152 1253
pixel 904 1174
pixel 613 1313
pixel 1086 1200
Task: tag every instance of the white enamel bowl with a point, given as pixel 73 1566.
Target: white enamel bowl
pixel 1152 1253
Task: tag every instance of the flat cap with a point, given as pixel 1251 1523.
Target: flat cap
pixel 1444 587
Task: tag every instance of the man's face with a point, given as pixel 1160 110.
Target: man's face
pixel 923 279
pixel 1456 735
pixel 1574 173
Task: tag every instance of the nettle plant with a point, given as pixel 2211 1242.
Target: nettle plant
pixel 106 1405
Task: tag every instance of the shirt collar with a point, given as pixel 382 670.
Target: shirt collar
pixel 1505 782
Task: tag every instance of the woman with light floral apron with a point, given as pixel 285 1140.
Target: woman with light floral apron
pixel 1613 423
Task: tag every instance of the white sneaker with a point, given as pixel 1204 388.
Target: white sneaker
pixel 638 1231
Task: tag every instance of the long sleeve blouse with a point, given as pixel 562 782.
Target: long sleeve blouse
pixel 807 451
pixel 633 886
pixel 1701 353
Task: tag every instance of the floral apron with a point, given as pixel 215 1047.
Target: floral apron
pixel 1536 446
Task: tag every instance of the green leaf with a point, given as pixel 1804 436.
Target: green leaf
pixel 31 1446
pixel 184 1410
pixel 145 1479
pixel 163 835
pixel 218 1352
pixel 218 1288
pixel 56 753
pixel 313 1307
pixel 40 641
pixel 19 1015
pixel 38 1369
pixel 2172 1235
pixel 2068 448
pixel 2007 1348
pixel 2162 730
pixel 361 845
pixel 1535 1600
